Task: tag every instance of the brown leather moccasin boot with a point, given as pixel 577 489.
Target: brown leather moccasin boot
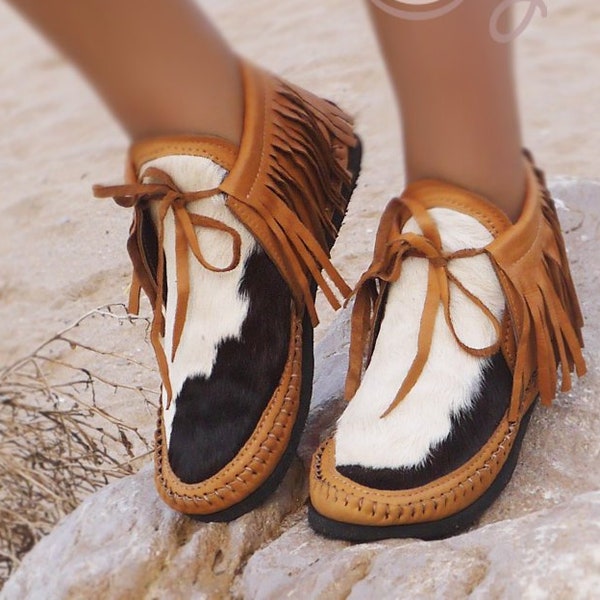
pixel 229 243
pixel 464 319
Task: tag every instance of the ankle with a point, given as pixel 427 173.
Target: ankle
pixel 193 111
pixel 504 185
pixel 208 102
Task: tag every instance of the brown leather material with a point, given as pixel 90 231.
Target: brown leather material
pixel 531 263
pixel 543 310
pixel 221 151
pixel 289 179
pixel 540 331
pixel 342 499
pixel 285 184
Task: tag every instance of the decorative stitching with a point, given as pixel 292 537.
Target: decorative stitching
pixel 490 462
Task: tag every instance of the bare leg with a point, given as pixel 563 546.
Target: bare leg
pixel 159 65
pixel 456 95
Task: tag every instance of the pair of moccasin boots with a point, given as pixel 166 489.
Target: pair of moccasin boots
pixel 459 324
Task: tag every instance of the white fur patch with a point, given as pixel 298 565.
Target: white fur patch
pixel 216 311
pixel 451 377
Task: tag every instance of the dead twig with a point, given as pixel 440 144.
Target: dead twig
pixel 60 437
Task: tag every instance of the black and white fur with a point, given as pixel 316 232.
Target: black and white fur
pixel 235 340
pixel 457 401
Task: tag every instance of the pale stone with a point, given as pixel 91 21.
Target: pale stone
pixel 124 543
pixel 553 553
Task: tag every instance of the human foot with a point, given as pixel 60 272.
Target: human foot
pixel 231 272
pixel 461 345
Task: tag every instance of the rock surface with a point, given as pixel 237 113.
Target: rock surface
pixel 540 539
pixel 124 543
pixel 553 553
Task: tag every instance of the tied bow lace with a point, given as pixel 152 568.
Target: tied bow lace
pixel 391 247
pixel 163 190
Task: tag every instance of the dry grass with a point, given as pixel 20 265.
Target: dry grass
pixel 58 440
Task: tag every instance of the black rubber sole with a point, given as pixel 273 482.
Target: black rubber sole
pixel 272 482
pixel 433 530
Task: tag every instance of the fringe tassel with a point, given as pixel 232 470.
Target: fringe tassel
pixel 295 205
pixel 549 334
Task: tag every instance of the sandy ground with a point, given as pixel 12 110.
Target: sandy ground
pixel 62 252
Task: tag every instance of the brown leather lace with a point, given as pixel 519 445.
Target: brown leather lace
pixel 164 191
pixel 391 248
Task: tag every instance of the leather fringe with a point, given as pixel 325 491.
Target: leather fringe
pixel 295 201
pixel 545 312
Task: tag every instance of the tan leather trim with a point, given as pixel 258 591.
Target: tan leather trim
pixel 286 182
pixel 341 499
pixel 219 150
pixel 433 194
pixel 532 266
pixel 255 461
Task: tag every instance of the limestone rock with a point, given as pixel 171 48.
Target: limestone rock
pixel 124 543
pixel 549 554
